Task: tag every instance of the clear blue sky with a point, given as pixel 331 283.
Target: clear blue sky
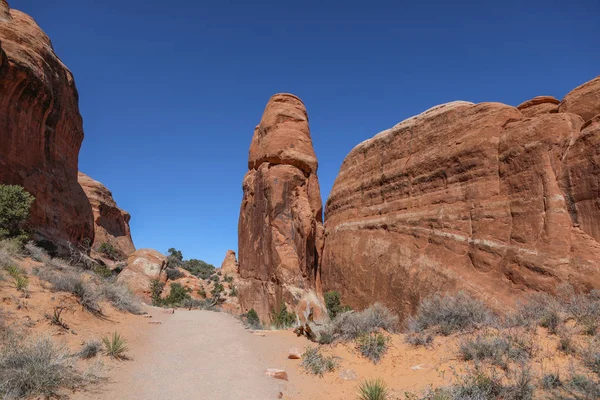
pixel 170 91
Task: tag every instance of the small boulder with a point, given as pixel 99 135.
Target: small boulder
pixel 294 354
pixel 277 373
pixel 143 266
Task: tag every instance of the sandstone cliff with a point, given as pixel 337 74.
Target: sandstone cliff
pixel 41 130
pixel 280 226
pixel 482 197
pixel 111 224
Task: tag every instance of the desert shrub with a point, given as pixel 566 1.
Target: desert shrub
pixel 550 381
pixel 110 252
pixel 316 363
pixel 56 318
pixel 373 389
pixel 72 282
pixel 215 278
pixel 325 337
pixel 156 288
pixel 333 302
pixel 205 304
pixel 582 387
pixel 90 349
pixel 539 309
pixel 177 295
pixel 591 356
pixel 251 319
pixel 350 325
pixel 38 367
pixel 217 290
pixel 121 298
pixel 199 268
pixel 115 346
pixel 584 308
pixel 202 293
pixel 15 205
pixel 419 339
pixel 36 253
pixel 373 345
pixel 102 271
pixel 173 274
pixel 9 250
pixel 233 291
pixel 228 279
pixel 450 314
pixel 283 319
pixel 497 349
pixel 21 283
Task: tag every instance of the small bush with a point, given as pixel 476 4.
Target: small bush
pixel 115 346
pixel 314 362
pixel 215 278
pixel 550 382
pixel 36 253
pixel 283 319
pixel 56 318
pixel 424 339
pixel 233 292
pixel 177 295
pixel 202 293
pixel 252 320
pixel 206 304
pixel 90 349
pixel 373 345
pixel 374 389
pixel 156 289
pixel 173 274
pixel 110 252
pixel 228 279
pixel 450 314
pixel 121 298
pixel 582 387
pixel 350 325
pixel 38 367
pixel 591 356
pixel 72 282
pixel 15 205
pixel 496 349
pixel 217 290
pixel 333 302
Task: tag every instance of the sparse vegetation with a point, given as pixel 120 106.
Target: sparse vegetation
pixel 156 288
pixel 121 298
pixel 90 349
pixel 450 314
pixel 72 282
pixel 316 363
pixel 350 325
pixel 228 279
pixel 333 302
pixel 251 319
pixel 196 267
pixel 217 290
pixel 202 293
pixel 497 348
pixel 373 345
pixel 109 251
pixel 38 367
pixel 233 291
pixel 173 274
pixel 15 206
pixel 373 389
pixel 56 318
pixel 36 253
pixel 115 346
pixel 177 295
pixel 283 319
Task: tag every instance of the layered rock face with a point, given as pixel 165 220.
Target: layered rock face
pixel 41 130
pixel 280 227
pixel 478 197
pixel 111 224
pixel 144 266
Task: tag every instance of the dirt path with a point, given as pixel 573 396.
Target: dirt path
pixel 192 355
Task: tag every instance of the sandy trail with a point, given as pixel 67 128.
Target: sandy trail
pixel 191 355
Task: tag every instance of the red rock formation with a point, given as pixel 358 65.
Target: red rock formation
pixel 230 265
pixel 280 227
pixel 143 266
pixel 41 130
pixel 584 100
pixel 468 196
pixel 539 105
pixel 111 224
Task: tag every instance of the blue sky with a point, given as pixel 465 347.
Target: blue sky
pixel 170 91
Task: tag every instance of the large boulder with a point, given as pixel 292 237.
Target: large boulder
pixel 111 224
pixel 41 130
pixel 144 266
pixel 584 100
pixel 280 227
pixel 475 197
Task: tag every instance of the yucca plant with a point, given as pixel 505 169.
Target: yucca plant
pixel 115 346
pixel 21 282
pixel 372 389
pixel 13 271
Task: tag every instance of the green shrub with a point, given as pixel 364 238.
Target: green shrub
pixel 252 320
pixel 373 345
pixel 177 295
pixel 202 293
pixel 373 389
pixel 233 292
pixel 550 381
pixel 450 314
pixel 228 279
pixel 90 349
pixel 15 206
pixel 217 290
pixel 156 288
pixel 333 302
pixel 173 274
pixel 283 319
pixel 314 362
pixel 115 346
pixel 110 252
pixel 350 325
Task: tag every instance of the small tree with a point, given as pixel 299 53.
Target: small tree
pixel 333 302
pixel 252 319
pixel 15 206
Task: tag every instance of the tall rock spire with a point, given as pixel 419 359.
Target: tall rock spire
pixel 280 227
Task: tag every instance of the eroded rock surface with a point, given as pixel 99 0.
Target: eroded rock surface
pixel 41 130
pixel 144 266
pixel 111 224
pixel 230 265
pixel 280 226
pixel 476 197
pixel 539 105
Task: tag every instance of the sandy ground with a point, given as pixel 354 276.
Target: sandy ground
pixel 191 355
